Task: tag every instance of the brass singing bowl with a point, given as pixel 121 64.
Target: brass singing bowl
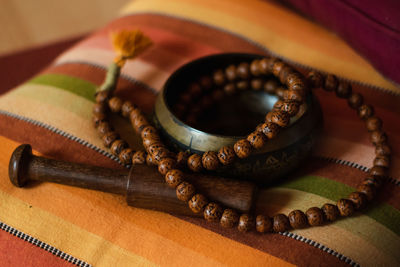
pixel 232 119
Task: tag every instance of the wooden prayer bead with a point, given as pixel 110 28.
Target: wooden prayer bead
pixel 139 157
pixel 242 85
pixel 219 77
pixel 378 171
pixel 284 73
pixel 346 207
pixel 212 212
pixel 206 82
pixel 365 111
pixel 154 147
pixel 117 146
pixel 98 118
pixel 148 131
pixel 296 84
pixel 210 160
pixel 149 160
pixel 315 79
pixel 291 95
pixel 194 163
pixel 165 165
pixel 374 181
pixel 378 137
pixel 134 114
pixel 243 70
pixel 343 90
pixel 181 158
pixel 259 128
pixel 331 83
pixel 315 216
pixel 195 89
pixel 103 128
pixel 115 104
pixel 226 155
pixel 268 117
pixel 331 212
pixel 359 200
pixel 280 117
pixel 109 137
pixel 257 84
pixel 270 63
pixel 276 69
pixel 297 219
pixel 174 177
pixel 230 88
pixel 197 203
pixel 102 96
pixel 184 191
pixel 383 150
pixel 270 129
pixel 99 108
pixel 148 142
pixel 246 223
pixel 278 105
pixel 263 224
pixel 127 108
pixel 382 161
pixel 126 156
pixel 256 140
pixel 368 190
pixel 270 86
pixel 139 123
pixel 373 124
pixel 160 154
pixel 263 66
pixel 230 73
pixel 229 218
pixel 290 107
pixel 255 67
pixel 355 100
pixel 242 148
pixel 280 223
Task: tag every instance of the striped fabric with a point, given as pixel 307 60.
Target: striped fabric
pixel 53 113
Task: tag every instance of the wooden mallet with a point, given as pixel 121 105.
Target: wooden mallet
pixel 142 185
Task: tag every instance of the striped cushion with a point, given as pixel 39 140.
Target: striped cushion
pixel 53 112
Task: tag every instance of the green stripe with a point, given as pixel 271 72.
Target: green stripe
pixel 381 212
pixel 74 85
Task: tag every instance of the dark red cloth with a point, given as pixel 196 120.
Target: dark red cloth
pixel 371 27
pixel 17 67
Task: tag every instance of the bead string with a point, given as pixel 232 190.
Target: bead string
pixel 232 79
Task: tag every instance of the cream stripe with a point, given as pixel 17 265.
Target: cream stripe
pixel 352 237
pixel 275 42
pixel 78 242
pixel 137 69
pixel 332 147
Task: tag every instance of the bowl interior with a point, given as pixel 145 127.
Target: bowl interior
pixel 233 116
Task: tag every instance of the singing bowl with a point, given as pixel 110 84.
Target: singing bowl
pixel 232 119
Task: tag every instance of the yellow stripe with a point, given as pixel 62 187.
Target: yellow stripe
pixel 159 237
pixel 64 235
pixel 382 244
pixel 240 16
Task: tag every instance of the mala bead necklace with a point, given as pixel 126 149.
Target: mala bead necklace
pixel 292 91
